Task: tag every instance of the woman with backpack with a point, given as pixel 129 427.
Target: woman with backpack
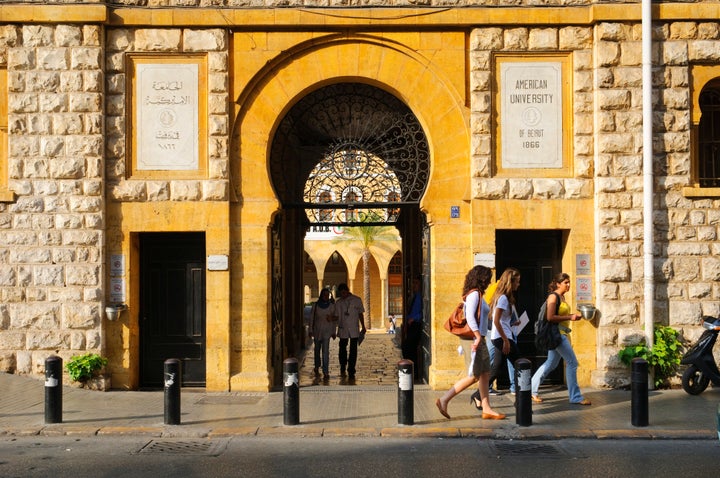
pixel 477 358
pixel 558 311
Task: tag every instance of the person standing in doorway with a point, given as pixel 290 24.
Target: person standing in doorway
pixel 351 323
pixel 413 326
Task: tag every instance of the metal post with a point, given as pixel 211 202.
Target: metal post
pixel 291 392
pixel 53 389
pixel 639 386
pixel 523 403
pixel 172 374
pixel 405 393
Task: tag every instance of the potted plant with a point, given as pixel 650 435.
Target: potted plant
pixel 86 368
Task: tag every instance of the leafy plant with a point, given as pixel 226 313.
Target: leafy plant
pixel 664 357
pixel 84 367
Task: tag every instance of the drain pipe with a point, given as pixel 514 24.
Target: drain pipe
pixel 648 180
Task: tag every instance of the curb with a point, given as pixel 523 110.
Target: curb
pixel 409 432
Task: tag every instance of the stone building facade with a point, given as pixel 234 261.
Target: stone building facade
pixel 79 207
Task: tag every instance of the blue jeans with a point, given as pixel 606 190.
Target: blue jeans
pixel 324 346
pixel 510 367
pixel 564 351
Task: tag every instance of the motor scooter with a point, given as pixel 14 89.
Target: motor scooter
pixel 702 368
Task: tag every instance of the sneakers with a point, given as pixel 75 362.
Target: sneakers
pixel 492 391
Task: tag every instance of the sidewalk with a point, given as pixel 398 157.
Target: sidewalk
pixel 369 408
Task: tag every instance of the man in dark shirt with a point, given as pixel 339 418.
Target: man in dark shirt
pixel 412 326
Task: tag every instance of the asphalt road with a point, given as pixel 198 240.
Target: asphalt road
pixel 139 457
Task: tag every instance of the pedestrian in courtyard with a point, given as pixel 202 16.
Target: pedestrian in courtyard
pixel 391 329
pixel 413 326
pixel 477 358
pixel 351 323
pixel 558 311
pixel 504 318
pixel 323 325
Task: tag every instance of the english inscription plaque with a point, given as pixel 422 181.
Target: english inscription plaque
pixel 531 114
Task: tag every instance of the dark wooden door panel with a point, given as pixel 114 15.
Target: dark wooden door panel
pixel 172 306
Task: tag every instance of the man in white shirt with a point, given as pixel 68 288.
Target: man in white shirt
pixel 351 323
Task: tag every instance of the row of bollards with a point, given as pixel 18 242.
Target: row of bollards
pixel 291 392
pixel 53 390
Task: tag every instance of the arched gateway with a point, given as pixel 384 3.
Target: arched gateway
pixel 342 101
pixel 346 153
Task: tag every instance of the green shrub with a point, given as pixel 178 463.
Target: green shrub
pixel 664 358
pixel 84 367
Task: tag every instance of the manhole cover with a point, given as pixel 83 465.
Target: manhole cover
pixel 527 449
pixel 184 447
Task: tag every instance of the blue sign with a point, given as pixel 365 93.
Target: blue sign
pixel 454 211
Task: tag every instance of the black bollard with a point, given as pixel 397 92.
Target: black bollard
pixel 405 393
pixel 639 386
pixel 53 389
pixel 172 374
pixel 291 392
pixel 523 402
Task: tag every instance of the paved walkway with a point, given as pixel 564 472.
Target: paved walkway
pixel 368 408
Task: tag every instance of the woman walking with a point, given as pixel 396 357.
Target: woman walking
pixel 503 319
pixel 323 322
pixel 477 359
pixel 558 311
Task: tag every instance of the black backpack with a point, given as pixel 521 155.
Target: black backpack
pixel 547 334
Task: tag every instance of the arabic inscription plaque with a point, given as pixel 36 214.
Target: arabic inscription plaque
pixel 167 116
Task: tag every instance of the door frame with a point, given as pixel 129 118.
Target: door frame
pixel 538 254
pixel 194 246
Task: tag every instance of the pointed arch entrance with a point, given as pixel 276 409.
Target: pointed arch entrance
pixel 352 155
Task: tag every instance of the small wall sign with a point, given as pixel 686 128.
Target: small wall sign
pixel 217 262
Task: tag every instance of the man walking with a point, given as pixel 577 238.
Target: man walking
pixel 351 323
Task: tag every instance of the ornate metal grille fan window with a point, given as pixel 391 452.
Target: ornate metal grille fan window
pixel 350 152
pixel 350 177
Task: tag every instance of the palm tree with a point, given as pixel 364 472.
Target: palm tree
pixel 368 236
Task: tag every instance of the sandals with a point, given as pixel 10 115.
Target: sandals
pixel 443 412
pixel 536 398
pixel 475 399
pixel 584 401
pixel 493 416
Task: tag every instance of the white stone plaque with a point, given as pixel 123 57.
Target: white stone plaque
pixel 531 114
pixel 167 116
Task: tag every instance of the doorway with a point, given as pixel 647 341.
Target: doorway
pixel 346 154
pixel 172 306
pixel 537 254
